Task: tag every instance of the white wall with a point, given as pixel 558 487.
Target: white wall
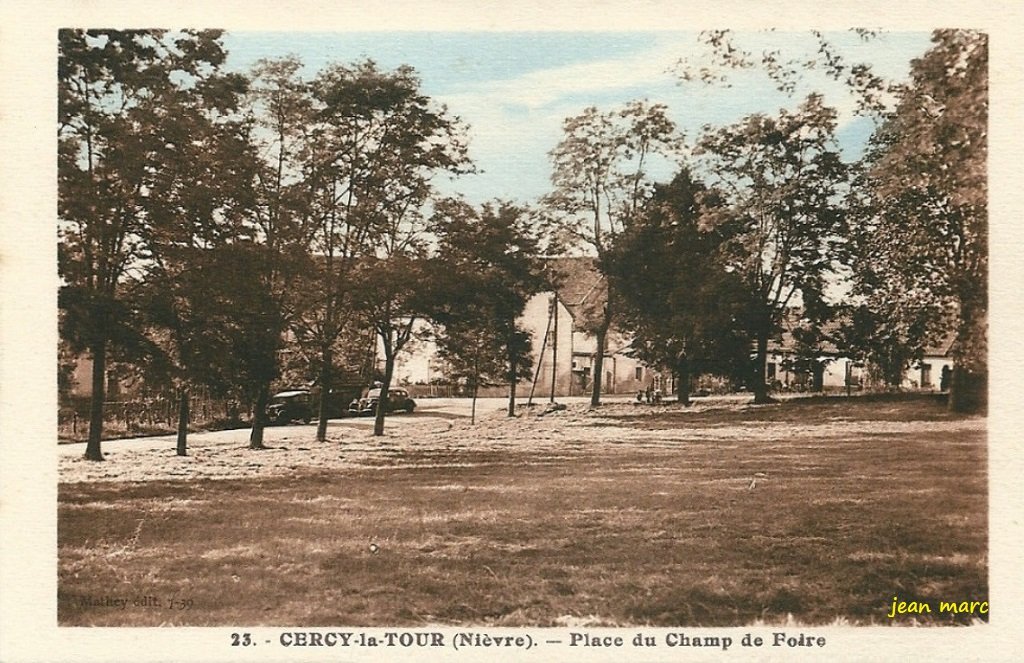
pixel 535 319
pixel 912 379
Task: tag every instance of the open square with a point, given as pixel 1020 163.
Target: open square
pixel 815 510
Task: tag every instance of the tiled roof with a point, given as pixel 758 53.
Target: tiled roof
pixel 793 318
pixel 942 348
pixel 575 277
pixel 579 286
pixel 786 342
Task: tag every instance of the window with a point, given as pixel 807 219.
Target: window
pixel 639 373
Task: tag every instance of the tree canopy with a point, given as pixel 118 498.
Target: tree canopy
pixel 685 309
pixel 138 113
pixel 487 267
pixel 922 224
pixel 781 179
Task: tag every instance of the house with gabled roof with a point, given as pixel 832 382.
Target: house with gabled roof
pixel 560 321
pixel 564 346
pixel 829 369
pixel 935 368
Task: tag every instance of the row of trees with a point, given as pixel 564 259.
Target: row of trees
pixel 766 214
pixel 206 216
pixel 701 269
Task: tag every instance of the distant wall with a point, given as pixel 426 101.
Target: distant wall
pixel 927 374
pixel 833 373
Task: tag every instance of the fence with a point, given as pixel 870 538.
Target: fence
pixel 433 390
pixel 144 416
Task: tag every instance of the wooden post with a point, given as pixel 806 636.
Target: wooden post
pixel 554 346
pixel 540 355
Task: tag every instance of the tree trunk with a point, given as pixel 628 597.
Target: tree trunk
pixel 968 388
pixel 817 377
pixel 99 391
pixel 259 417
pixel 894 373
pixel 472 412
pixel 598 376
pixel 683 379
pixel 967 391
pixel 759 386
pixel 956 402
pixel 326 359
pixel 512 383
pixel 389 371
pixel 183 421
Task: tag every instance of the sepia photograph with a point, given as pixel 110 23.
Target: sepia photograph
pixel 632 339
pixel 611 329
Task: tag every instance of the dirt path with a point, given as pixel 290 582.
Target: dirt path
pixel 443 429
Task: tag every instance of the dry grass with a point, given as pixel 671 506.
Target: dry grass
pixel 620 516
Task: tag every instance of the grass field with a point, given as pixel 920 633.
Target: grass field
pixel 822 511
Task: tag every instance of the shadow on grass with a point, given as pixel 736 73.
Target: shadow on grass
pixel 518 537
pixel 803 410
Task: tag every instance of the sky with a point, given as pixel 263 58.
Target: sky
pixel 514 89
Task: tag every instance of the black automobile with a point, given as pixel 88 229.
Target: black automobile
pixel 338 401
pixel 288 406
pixel 398 401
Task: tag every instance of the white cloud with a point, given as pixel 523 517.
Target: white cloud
pixel 544 87
pixel 515 122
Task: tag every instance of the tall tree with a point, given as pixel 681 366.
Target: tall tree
pixel 487 268
pixel 114 92
pixel 199 200
pixel 781 178
pixel 189 315
pixel 388 293
pixel 409 140
pixel 600 176
pixel 276 236
pixel 376 146
pixel 686 311
pixel 923 226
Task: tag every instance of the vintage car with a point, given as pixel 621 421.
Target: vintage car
pixel 287 406
pixel 302 404
pixel 398 401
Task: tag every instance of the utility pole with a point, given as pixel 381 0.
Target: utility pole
pixel 554 346
pixel 540 355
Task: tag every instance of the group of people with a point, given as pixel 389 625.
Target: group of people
pixel 650 395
